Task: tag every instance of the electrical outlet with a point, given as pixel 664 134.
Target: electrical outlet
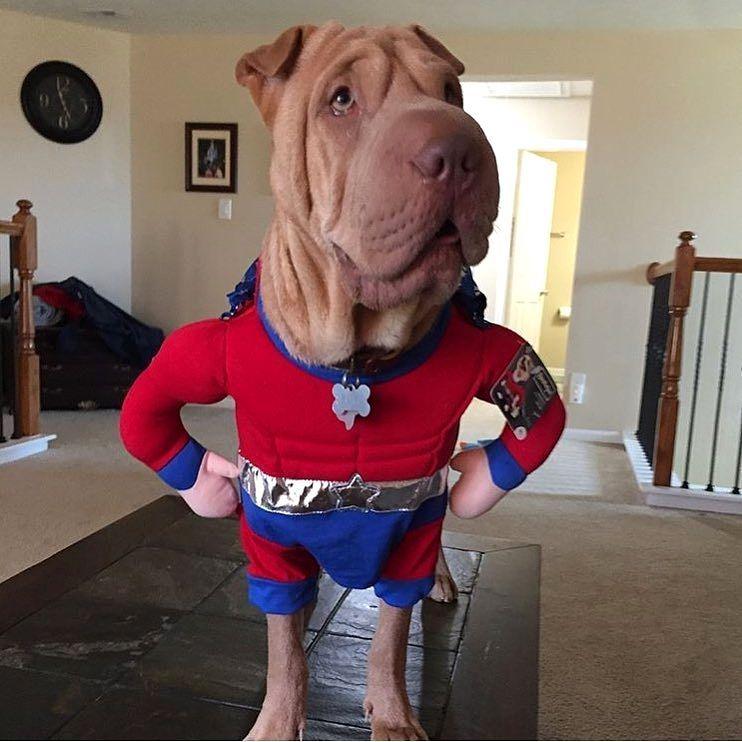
pixel 225 208
pixel 577 387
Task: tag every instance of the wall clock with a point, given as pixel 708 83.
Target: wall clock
pixel 61 102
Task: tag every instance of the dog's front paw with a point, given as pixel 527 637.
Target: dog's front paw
pixel 282 717
pixel 213 494
pixel 391 715
pixel 278 726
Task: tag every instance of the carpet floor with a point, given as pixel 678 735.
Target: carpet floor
pixel 641 632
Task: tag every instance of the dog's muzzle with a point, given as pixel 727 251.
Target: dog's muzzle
pixel 297 496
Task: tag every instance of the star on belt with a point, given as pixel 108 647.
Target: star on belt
pixel 354 492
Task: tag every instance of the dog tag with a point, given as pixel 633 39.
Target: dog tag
pixel 350 400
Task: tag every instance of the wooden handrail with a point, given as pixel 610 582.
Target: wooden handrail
pixel 711 265
pixel 718 265
pixel 11 228
pixel 655 270
pixel 24 259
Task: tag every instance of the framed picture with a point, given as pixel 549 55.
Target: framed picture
pixel 211 157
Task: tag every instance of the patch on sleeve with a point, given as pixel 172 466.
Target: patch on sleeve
pixel 523 391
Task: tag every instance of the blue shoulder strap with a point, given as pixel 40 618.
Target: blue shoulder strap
pixel 468 297
pixel 243 292
pixel 471 300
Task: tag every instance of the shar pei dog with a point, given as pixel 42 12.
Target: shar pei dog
pixel 353 355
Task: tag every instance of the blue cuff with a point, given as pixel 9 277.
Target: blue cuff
pixel 181 471
pixel 271 596
pixel 505 471
pixel 404 593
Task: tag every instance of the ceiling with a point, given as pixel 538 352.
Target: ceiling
pixel 268 16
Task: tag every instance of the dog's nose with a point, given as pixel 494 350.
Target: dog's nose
pixel 446 158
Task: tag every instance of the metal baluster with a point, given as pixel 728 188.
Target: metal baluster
pixel 722 373
pixel 738 470
pixel 696 376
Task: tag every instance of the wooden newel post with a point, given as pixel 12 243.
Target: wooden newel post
pixel 25 260
pixel 667 413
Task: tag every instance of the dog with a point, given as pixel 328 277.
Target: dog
pixel 350 367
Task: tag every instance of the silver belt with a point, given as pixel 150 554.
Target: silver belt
pixel 287 495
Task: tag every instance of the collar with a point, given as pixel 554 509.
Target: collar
pixel 403 363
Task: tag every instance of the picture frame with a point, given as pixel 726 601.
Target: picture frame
pixel 211 157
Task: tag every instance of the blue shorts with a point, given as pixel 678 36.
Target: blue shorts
pixel 394 551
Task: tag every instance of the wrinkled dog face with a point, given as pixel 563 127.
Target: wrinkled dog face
pixel 374 155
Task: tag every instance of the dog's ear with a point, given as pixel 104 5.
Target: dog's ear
pixel 265 70
pixel 438 49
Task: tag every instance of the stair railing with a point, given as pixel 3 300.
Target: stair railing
pixel 25 399
pixel 658 420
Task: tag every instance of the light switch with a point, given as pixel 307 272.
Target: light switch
pixel 577 383
pixel 225 208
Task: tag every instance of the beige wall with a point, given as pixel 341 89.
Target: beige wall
pixel 665 118
pixel 184 258
pixel 562 254
pixel 81 192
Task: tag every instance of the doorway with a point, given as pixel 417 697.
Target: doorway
pixel 539 132
pixel 529 245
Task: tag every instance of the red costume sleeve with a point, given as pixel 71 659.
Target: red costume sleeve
pixel 190 367
pixel 516 380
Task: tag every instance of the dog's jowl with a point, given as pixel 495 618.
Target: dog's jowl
pixel 354 356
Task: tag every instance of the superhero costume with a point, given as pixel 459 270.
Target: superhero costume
pixel 366 504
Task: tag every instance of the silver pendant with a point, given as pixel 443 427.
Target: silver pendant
pixel 350 400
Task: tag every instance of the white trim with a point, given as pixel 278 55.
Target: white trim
pixel 557 145
pixel 592 436
pixel 560 377
pixel 535 77
pixel 639 464
pixel 675 496
pixel 19 449
pixel 708 502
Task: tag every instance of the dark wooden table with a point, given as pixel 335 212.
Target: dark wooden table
pixel 143 631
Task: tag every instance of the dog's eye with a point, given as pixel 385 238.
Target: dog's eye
pixel 452 94
pixel 342 101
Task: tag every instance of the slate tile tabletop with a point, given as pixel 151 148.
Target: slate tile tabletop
pixel 162 644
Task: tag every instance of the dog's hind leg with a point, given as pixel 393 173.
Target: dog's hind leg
pixel 387 703
pixel 283 714
pixel 444 589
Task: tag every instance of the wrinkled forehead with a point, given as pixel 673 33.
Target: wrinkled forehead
pixel 376 55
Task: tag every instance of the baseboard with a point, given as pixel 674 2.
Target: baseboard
pixel 558 374
pixel 22 447
pixel 593 436
pixel 675 497
pixel 706 502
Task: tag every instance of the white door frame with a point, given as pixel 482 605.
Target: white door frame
pixel 510 297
